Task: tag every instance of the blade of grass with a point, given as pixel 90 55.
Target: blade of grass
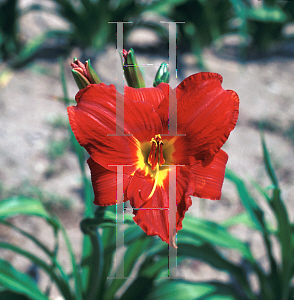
pixel 284 233
pixel 95 259
pixel 51 254
pixel 269 168
pixel 21 205
pixel 257 215
pixel 75 267
pixel 214 234
pixel 180 289
pixel 88 194
pixel 62 285
pixel 19 282
pixel 133 253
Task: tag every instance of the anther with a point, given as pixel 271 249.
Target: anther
pixel 151 157
pixel 161 159
pixel 156 152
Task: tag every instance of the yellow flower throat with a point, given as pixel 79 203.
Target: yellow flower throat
pixel 152 158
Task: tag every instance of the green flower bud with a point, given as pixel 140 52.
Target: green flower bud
pixel 162 75
pixel 94 78
pixel 131 69
pixel 84 74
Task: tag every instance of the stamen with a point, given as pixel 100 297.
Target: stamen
pixel 156 152
pixel 156 160
pixel 151 157
pixel 154 185
pixel 161 158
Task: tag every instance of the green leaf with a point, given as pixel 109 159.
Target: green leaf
pixel 241 219
pixel 14 280
pixel 9 295
pixel 208 254
pixel 108 242
pixel 249 203
pixel 224 291
pixel 285 236
pixel 269 168
pixel 94 261
pixel 138 289
pixel 60 282
pixel 34 45
pixel 151 268
pixel 180 290
pixel 266 14
pixel 215 234
pixel 40 245
pixel 75 266
pixel 163 7
pixel 263 191
pixel 22 205
pixel 284 227
pixel 133 253
pixel 257 216
pixel 219 297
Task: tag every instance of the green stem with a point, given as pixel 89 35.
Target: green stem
pixel 76 273
pixel 88 194
pixel 95 259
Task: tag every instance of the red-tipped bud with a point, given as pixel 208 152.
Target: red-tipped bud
pixel 84 74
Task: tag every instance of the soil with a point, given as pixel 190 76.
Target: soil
pixel 29 106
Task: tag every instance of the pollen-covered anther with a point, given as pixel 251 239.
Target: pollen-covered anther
pixel 156 152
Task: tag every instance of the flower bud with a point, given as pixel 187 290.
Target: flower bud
pixel 162 75
pixel 84 74
pixel 131 69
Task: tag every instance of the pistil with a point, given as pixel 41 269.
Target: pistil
pixel 156 153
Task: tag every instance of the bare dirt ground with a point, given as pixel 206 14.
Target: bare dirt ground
pixel 28 108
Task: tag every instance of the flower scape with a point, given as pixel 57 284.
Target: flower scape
pixel 206 114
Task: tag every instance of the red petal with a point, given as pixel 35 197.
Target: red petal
pixel 150 95
pixel 209 176
pixel 163 112
pixel 156 221
pixel 104 183
pixel 94 118
pixel 206 114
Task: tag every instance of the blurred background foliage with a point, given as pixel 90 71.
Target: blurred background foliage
pixel 257 26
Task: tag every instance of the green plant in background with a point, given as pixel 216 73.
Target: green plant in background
pixel 205 21
pixel 9 40
pixel 262 23
pixel 13 48
pixel 208 21
pixel 89 20
pixel 146 258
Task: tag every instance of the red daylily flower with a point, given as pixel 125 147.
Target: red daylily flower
pixel 206 114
